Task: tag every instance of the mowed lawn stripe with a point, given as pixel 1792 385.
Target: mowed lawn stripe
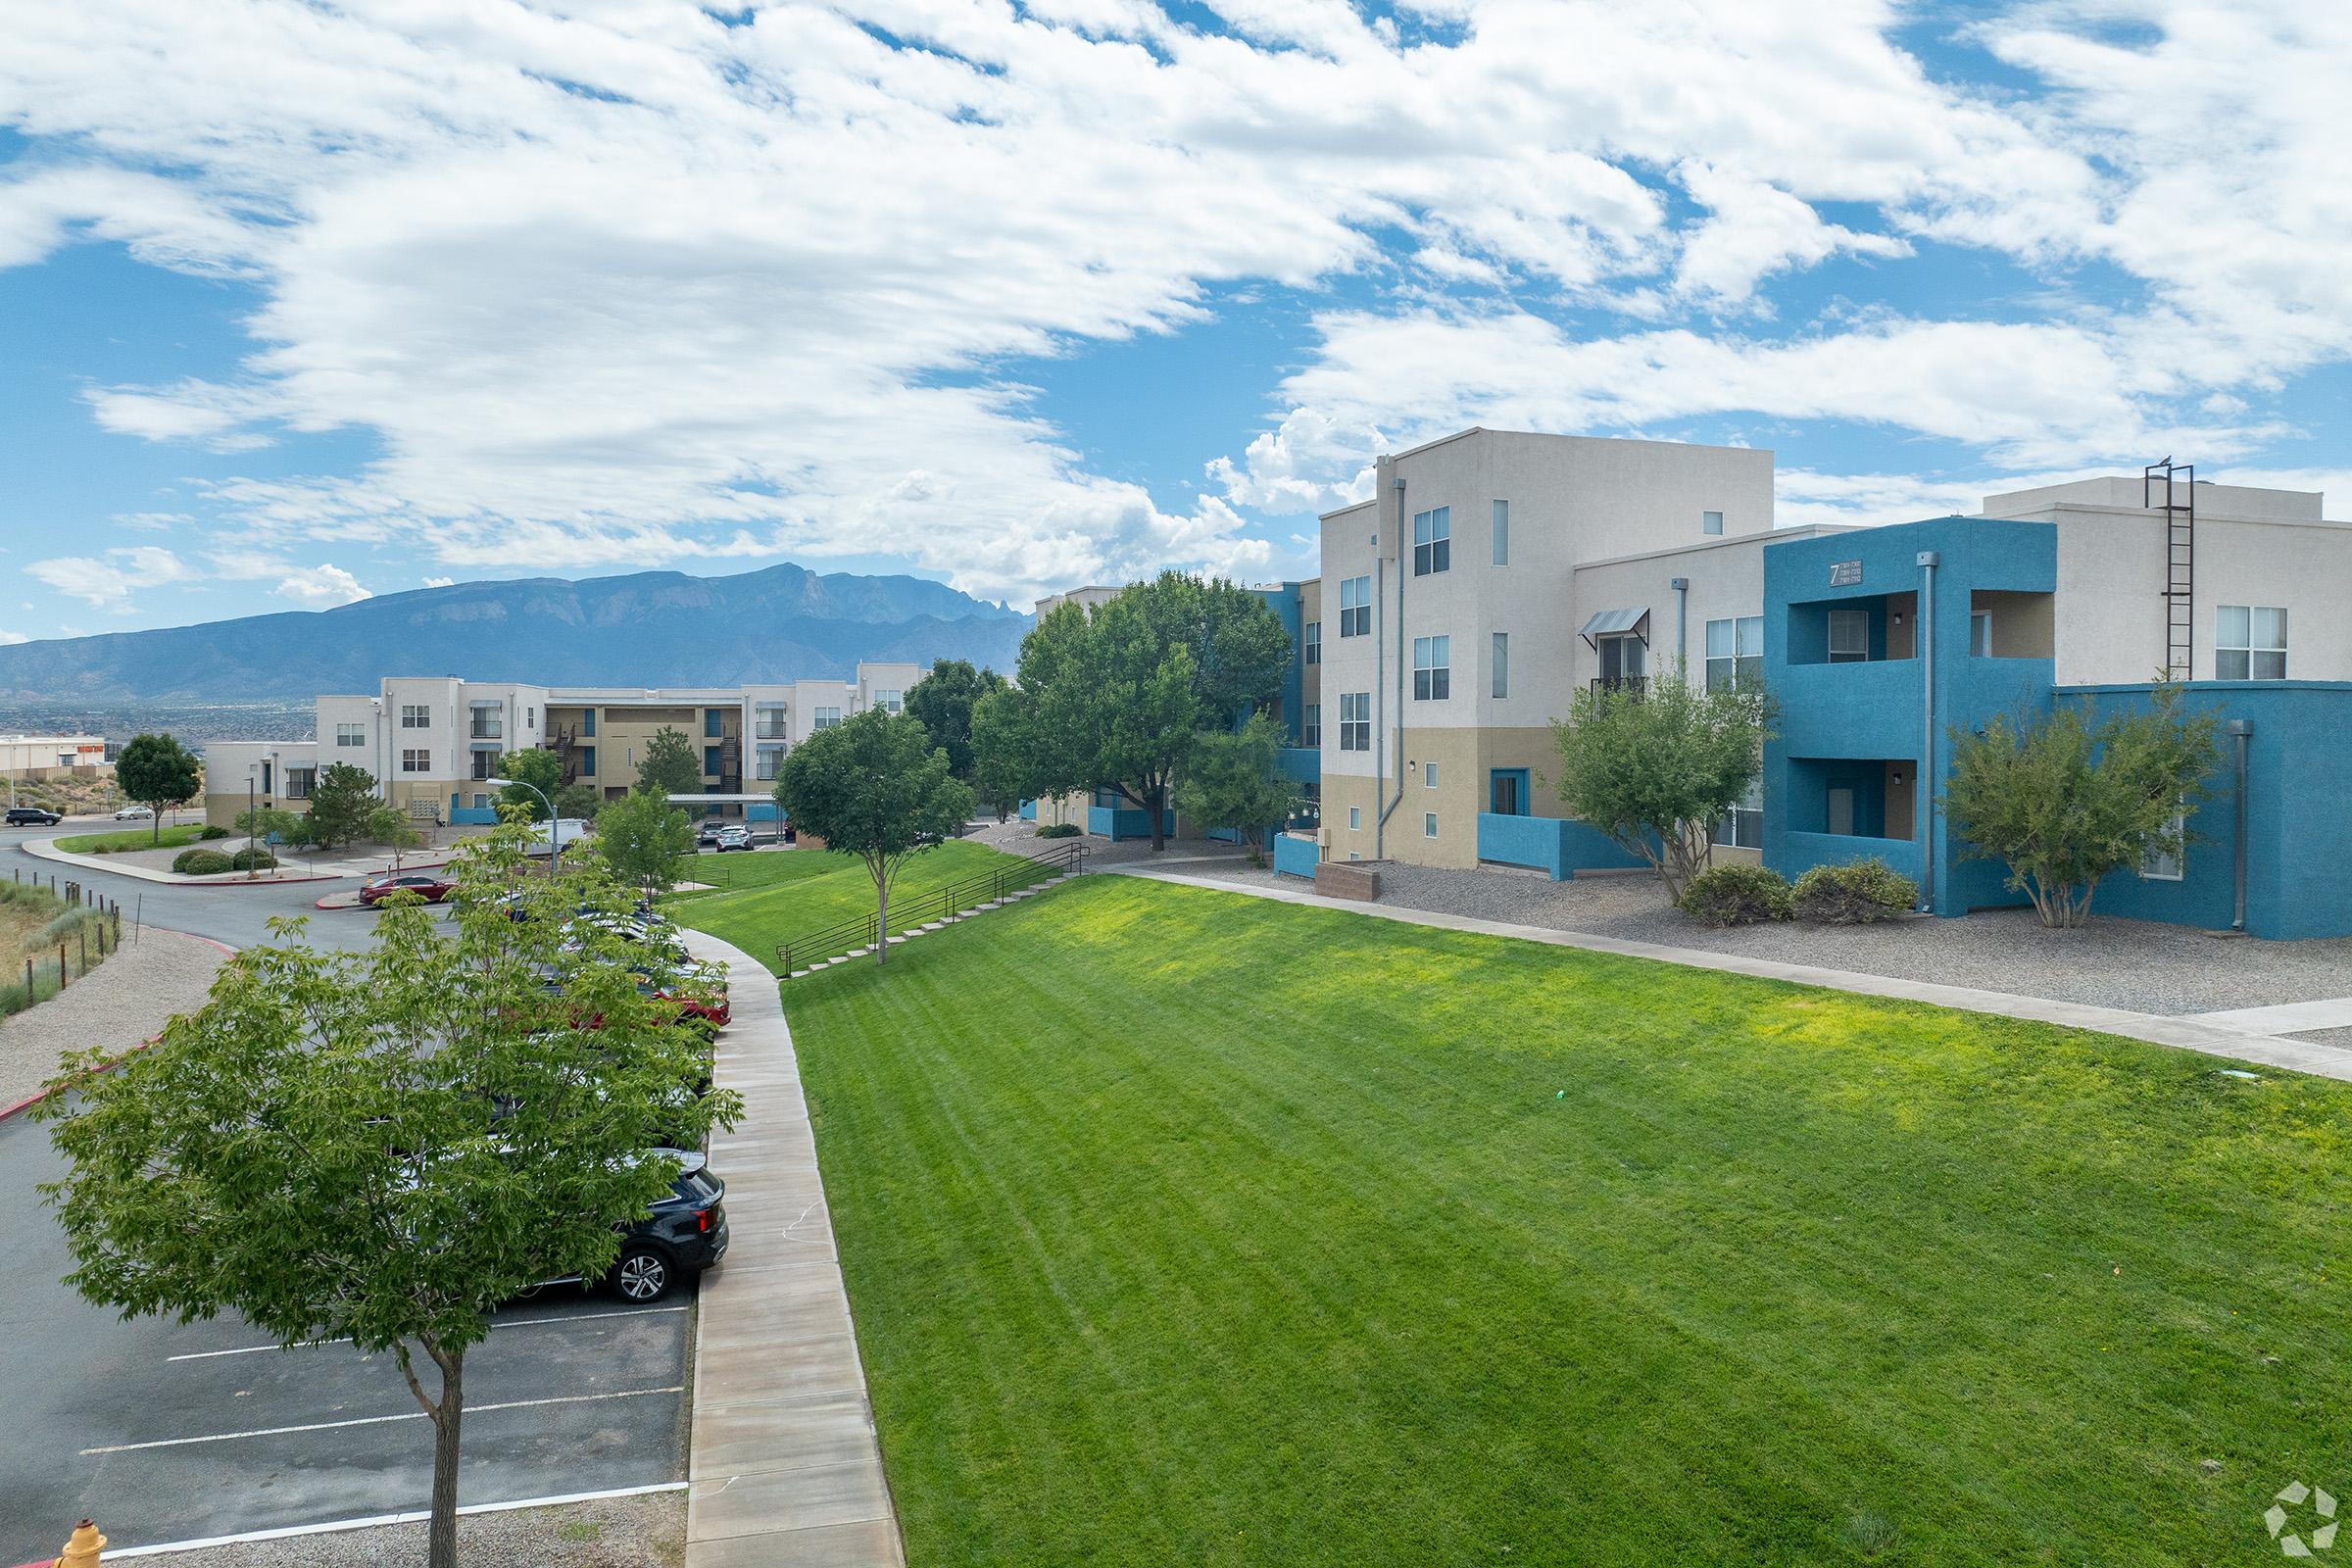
pixel 1186 1227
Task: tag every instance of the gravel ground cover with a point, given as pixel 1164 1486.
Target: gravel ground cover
pixel 2133 964
pixel 118 1004
pixel 643 1532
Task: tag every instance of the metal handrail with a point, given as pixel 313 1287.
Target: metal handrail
pixel 951 901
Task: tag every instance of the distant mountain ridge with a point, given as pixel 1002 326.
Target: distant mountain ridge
pixel 650 628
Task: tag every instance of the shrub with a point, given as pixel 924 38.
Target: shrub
pixel 253 858
pixel 1060 830
pixel 1737 894
pixel 214 833
pixel 1854 893
pixel 200 863
pixel 100 849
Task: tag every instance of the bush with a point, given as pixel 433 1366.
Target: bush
pixel 253 858
pixel 214 833
pixel 200 863
pixel 1737 894
pixel 1854 893
pixel 100 849
pixel 1060 830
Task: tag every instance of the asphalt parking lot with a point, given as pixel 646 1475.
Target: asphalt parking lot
pixel 171 1433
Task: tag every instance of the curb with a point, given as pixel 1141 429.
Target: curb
pixel 44 850
pixel 34 1099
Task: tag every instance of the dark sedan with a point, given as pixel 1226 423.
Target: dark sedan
pixel 684 1235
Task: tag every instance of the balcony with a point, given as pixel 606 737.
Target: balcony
pixel 772 729
pixel 487 729
pixel 1635 686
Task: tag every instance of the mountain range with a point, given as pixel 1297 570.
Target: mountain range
pixel 649 628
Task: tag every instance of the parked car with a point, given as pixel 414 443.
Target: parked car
pixel 135 813
pixel 734 838
pixel 429 885
pixel 684 1235
pixel 31 816
pixel 706 836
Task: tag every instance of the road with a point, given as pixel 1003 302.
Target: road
pixel 167 1432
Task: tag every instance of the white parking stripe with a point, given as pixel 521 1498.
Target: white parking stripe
pixel 379 1420
pixel 518 1323
pixel 414 1517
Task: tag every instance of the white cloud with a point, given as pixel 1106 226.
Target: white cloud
pixel 440 582
pixel 8 638
pixel 108 581
pixel 618 284
pixel 320 587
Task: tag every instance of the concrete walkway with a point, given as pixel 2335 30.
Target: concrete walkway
pixel 2184 1034
pixel 785 1468
pixel 2285 1018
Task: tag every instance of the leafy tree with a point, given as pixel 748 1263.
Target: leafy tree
pixel 158 772
pixel 2062 803
pixel 670 765
pixel 1235 781
pixel 641 836
pixel 341 803
pixel 580 800
pixel 1124 694
pixel 1654 768
pixel 873 787
pixel 535 766
pixel 383 1147
pixel 943 701
pixel 1013 758
pixel 260 823
pixel 390 826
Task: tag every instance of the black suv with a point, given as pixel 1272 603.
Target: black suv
pixel 31 816
pixel 685 1234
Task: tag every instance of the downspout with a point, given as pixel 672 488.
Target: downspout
pixel 1380 825
pixel 1380 686
pixel 2240 730
pixel 1929 560
pixel 1682 625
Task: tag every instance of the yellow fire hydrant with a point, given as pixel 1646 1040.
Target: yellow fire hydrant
pixel 81 1551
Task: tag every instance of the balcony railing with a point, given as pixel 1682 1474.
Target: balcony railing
pixel 772 729
pixel 488 729
pixel 1631 685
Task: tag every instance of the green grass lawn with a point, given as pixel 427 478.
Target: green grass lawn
pixel 1183 1228
pixel 779 896
pixel 178 836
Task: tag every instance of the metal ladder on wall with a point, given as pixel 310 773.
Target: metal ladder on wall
pixel 2180 559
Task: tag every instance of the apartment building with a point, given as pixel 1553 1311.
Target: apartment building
pixel 42 756
pixel 432 743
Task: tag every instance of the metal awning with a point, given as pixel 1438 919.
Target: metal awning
pixel 1616 623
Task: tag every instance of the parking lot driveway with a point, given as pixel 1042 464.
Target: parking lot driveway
pixel 165 1433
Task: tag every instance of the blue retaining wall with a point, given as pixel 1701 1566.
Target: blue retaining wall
pixel 1297 856
pixel 1835 849
pixel 1116 822
pixel 1557 846
pixel 1028 810
pixel 474 815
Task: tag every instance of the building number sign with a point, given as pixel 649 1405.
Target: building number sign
pixel 1844 573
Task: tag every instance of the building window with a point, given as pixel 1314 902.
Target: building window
pixel 1433 541
pixel 1433 668
pixel 770 759
pixel 1429 775
pixel 713 723
pixel 415 762
pixel 772 724
pixel 481 803
pixel 711 762
pixel 1502 533
pixel 300 781
pixel 827 717
pixel 530 719
pixel 1429 824
pixel 1355 721
pixel 484 763
pixel 890 702
pixel 1314 642
pixel 1742 826
pixel 588 760
pixel 1849 636
pixel 1501 686
pixel 489 724
pixel 588 722
pixel 2249 642
pixel 1355 606
pixel 1736 652
pixel 1980 634
pixel 351 734
pixel 1311 732
pixel 416 716
pixel 1710 522
pixel 1355 821
pixel 2162 868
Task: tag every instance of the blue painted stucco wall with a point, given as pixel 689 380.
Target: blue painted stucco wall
pixel 1116 822
pixel 1285 601
pixel 1296 856
pixel 1830 715
pixel 1559 847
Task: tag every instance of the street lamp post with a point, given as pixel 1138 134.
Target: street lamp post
pixel 253 822
pixel 555 826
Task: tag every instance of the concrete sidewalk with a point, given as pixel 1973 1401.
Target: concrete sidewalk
pixel 785 1467
pixel 2184 1034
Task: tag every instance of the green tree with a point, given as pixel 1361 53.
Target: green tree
pixel 1013 758
pixel 340 804
pixel 535 766
pixel 391 827
pixel 290 826
pixel 158 772
pixel 943 701
pixel 1123 695
pixel 1653 769
pixel 2062 803
pixel 873 787
pixel 1236 780
pixel 641 836
pixel 384 1146
pixel 670 765
pixel 580 800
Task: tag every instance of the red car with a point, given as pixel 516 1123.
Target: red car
pixel 425 884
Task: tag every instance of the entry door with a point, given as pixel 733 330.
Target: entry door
pixel 1841 810
pixel 1506 794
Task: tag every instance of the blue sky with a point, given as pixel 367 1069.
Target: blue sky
pixel 298 304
